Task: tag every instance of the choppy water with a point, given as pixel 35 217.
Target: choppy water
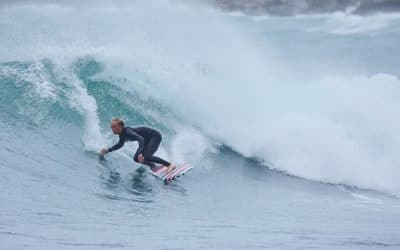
pixel 291 124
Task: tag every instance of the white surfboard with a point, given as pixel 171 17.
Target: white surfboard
pixel 161 172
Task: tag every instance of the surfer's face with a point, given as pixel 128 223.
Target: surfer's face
pixel 116 128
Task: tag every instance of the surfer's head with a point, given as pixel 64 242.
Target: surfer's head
pixel 117 124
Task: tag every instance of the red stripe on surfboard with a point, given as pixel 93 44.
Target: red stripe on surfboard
pixel 175 171
pixel 180 170
pixel 161 172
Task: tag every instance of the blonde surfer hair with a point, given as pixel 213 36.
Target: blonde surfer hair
pixel 119 121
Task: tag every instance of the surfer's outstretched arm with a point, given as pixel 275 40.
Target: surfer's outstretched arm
pixel 117 146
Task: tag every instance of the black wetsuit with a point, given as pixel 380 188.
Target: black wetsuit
pixel 149 139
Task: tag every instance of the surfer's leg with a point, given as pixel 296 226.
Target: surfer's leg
pixel 153 143
pixel 148 163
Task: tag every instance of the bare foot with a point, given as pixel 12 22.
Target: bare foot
pixel 170 167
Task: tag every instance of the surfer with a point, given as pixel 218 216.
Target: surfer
pixel 148 138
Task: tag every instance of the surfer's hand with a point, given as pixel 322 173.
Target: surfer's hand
pixel 103 151
pixel 141 158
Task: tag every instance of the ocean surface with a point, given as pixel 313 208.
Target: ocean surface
pixel 291 124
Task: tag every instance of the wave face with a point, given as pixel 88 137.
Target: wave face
pixel 312 96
